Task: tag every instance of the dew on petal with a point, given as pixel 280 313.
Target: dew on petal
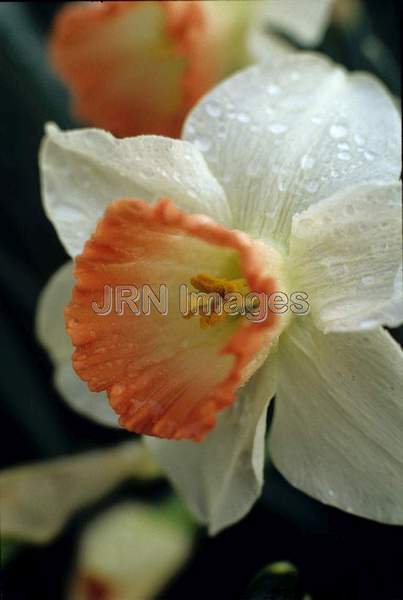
pixel 368 280
pixel 312 186
pixel 253 169
pixel 203 144
pixel 68 213
pixel 307 162
pixel 281 185
pixel 338 270
pixel 344 156
pixel 213 109
pixel 273 90
pixel 146 172
pixel 338 131
pixel 243 118
pixel 278 128
pixel 369 156
pixel 359 140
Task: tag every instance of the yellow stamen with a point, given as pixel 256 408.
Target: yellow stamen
pixel 214 287
pixel 219 285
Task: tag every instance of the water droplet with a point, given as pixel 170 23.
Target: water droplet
pixel 316 120
pixel 343 146
pixel 368 280
pixel 331 493
pixel 294 75
pixel 344 156
pixel 334 174
pixel 253 168
pixel 118 389
pixel 278 128
pixel 369 156
pixel 213 109
pixel 312 186
pixel 190 130
pixel 273 90
pixel 338 131
pixel 243 118
pixel 307 162
pixel 203 144
pixel 281 185
pixel 68 213
pixel 270 213
pixel 146 172
pixel 338 270
pixel 359 140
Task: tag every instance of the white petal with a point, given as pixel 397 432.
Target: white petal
pixel 283 135
pixel 304 20
pixel 37 499
pixel 221 478
pixel 346 253
pixel 133 549
pixel 85 169
pixel 52 334
pixel 338 419
pixel 50 328
pixel 75 392
pixel 262 45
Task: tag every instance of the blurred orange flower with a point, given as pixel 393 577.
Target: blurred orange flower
pixel 138 67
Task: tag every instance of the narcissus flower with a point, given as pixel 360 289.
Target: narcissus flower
pixel 138 67
pixel 287 180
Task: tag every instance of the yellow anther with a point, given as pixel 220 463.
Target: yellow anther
pixel 213 288
pixel 219 285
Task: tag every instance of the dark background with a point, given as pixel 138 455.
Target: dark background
pixel 338 556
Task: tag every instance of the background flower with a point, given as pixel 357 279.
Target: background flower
pixel 138 67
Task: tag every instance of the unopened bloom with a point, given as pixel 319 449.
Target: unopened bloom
pixel 130 551
pixel 287 178
pixel 138 67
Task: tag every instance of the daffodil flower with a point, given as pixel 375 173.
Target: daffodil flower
pixel 287 179
pixel 138 67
